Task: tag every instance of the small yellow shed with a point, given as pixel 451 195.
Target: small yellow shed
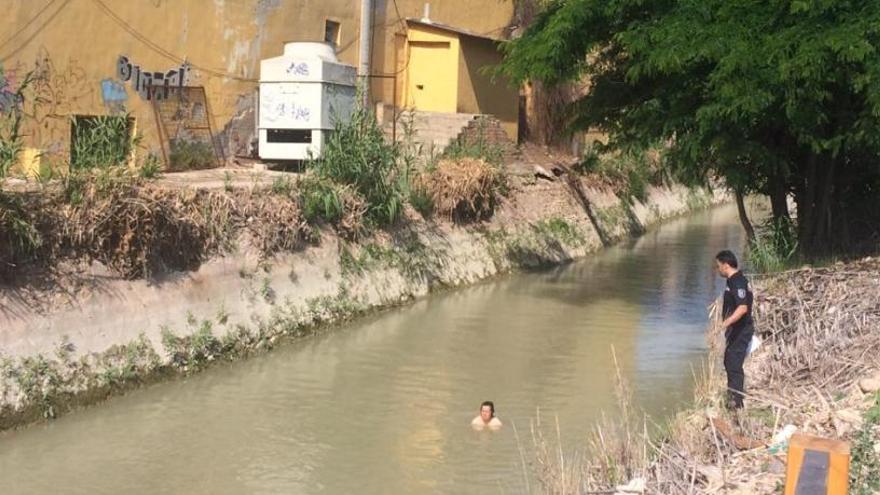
pixel 443 70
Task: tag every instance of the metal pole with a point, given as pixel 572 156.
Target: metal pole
pixel 365 42
pixel 394 109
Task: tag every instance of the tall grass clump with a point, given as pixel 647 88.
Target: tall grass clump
pixel 101 141
pixel 357 155
pixel 774 248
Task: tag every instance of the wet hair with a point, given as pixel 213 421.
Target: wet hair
pixel 491 406
pixel 727 257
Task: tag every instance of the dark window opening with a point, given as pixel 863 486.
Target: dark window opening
pixel 331 33
pixel 298 136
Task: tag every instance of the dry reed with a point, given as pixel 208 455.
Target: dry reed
pixel 136 228
pixel 462 190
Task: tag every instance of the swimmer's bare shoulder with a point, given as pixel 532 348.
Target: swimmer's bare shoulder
pixel 493 424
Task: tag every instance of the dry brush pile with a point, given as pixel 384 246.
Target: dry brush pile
pixel 821 340
pixel 136 228
pixel 462 190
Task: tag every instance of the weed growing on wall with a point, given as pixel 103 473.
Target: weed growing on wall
pixel 479 148
pixel 19 237
pixel 415 259
pixel 629 173
pixel 561 230
pixel 194 351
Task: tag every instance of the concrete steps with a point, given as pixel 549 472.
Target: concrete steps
pixel 430 132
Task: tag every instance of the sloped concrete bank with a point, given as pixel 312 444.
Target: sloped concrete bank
pixel 115 334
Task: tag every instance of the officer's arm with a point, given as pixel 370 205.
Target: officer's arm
pixel 737 314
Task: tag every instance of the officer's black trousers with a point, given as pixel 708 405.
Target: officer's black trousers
pixel 734 356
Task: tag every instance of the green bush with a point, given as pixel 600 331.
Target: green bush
pixel 632 172
pixel 191 155
pixel 358 156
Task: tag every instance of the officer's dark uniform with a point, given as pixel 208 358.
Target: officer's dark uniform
pixel 738 335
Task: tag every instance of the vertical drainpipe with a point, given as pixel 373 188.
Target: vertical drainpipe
pixel 365 47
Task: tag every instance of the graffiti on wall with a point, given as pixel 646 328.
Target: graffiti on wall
pixel 114 95
pixel 57 91
pixel 298 69
pixel 279 107
pixel 10 100
pixel 152 85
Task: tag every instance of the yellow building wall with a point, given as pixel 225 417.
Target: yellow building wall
pixel 478 93
pixel 73 50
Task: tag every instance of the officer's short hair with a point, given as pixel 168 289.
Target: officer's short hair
pixel 727 257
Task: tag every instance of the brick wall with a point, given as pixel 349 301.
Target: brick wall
pixel 488 129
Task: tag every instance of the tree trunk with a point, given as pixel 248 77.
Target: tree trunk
pixel 744 217
pixel 807 206
pixel 814 211
pixel 822 214
pixel 779 199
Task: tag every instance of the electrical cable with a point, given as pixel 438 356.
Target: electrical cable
pixel 158 49
pixel 33 35
pixel 28 23
pixel 405 27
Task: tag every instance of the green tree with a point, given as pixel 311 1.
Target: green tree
pixel 778 97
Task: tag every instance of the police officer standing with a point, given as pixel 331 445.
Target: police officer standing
pixel 739 328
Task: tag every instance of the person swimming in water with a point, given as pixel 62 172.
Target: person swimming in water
pixel 487 417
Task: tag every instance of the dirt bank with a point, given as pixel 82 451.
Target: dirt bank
pixel 96 333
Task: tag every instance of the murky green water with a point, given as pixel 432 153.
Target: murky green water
pixel 382 406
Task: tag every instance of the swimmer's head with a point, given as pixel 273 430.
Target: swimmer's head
pixel 487 410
